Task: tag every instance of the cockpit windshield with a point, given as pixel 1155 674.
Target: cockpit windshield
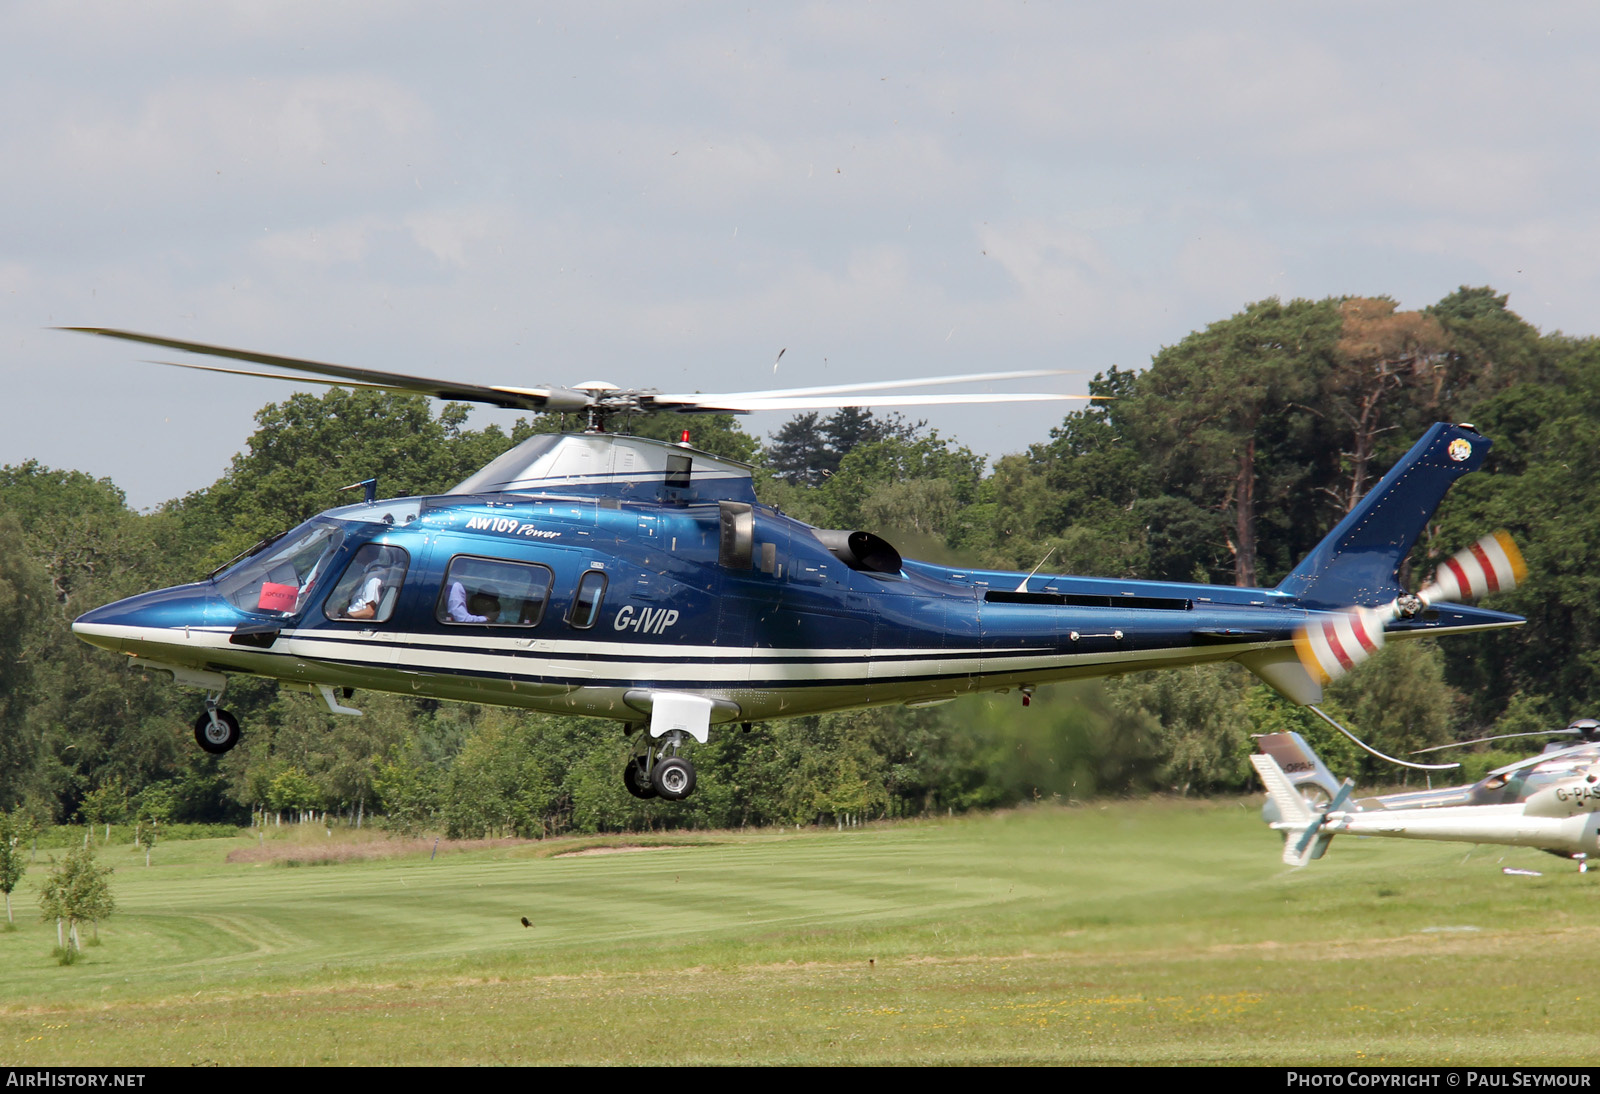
pixel 277 579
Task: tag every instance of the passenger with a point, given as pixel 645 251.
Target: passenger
pixel 481 608
pixel 457 605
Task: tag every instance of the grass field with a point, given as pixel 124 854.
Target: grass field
pixel 1153 932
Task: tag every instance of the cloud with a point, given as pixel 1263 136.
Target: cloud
pixel 159 30
pixel 448 234
pixel 1545 262
pixel 341 242
pixel 209 145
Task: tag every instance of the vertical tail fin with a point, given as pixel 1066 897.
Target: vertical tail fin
pixel 1358 563
pixel 1296 818
pixel 1304 838
pixel 1299 763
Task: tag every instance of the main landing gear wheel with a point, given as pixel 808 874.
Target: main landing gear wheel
pixel 637 779
pixel 673 778
pixel 216 735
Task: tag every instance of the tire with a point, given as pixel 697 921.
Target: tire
pixel 219 738
pixel 637 782
pixel 673 779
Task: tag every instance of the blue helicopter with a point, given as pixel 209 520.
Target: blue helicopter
pixel 626 578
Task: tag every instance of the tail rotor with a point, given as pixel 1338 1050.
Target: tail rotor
pixel 1331 647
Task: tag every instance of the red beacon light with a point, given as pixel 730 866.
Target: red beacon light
pixel 683 441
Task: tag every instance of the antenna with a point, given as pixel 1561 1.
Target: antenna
pixel 371 485
pixel 1024 586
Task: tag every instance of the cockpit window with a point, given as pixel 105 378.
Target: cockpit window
pixel 370 585
pixel 586 601
pixel 494 593
pixel 277 579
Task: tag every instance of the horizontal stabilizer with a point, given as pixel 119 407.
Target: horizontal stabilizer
pixel 1291 806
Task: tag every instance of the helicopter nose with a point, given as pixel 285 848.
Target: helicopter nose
pixel 131 625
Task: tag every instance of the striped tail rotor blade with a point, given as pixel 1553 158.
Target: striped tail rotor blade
pixel 1333 645
pixel 1491 565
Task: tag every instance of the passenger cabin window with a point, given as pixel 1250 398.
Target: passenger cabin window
pixel 491 592
pixel 370 585
pixel 586 601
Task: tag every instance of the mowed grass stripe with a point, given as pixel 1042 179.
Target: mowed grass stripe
pixel 1141 932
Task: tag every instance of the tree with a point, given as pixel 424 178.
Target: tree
pixel 104 804
pixel 154 807
pixel 1491 349
pixel 24 604
pixel 79 527
pixel 885 468
pixel 1544 487
pixel 293 790
pixel 1270 712
pixel 808 448
pixel 14 829
pixel 73 717
pixel 1093 460
pixel 798 452
pixel 307 448
pixel 407 789
pixel 77 889
pixel 1082 499
pixel 1398 701
pixel 1221 417
pixel 1200 722
pixel 1389 372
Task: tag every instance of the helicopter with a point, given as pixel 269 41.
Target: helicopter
pixel 642 581
pixel 1550 801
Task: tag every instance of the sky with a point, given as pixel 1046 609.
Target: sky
pixel 667 195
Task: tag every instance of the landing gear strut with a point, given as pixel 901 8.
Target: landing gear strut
pixel 216 730
pixel 657 771
pixel 636 777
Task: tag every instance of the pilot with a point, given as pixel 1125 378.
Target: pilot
pixel 364 604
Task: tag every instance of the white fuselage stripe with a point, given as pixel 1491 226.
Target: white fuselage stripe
pixel 652 662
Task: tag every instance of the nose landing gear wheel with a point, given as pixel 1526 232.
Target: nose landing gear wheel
pixel 673 778
pixel 635 779
pixel 216 736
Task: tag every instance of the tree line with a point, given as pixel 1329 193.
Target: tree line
pixel 1224 461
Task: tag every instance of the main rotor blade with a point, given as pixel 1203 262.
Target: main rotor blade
pixel 1568 752
pixel 274 375
pixel 735 404
pixel 541 398
pixel 1498 737
pixel 885 385
pixel 550 398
